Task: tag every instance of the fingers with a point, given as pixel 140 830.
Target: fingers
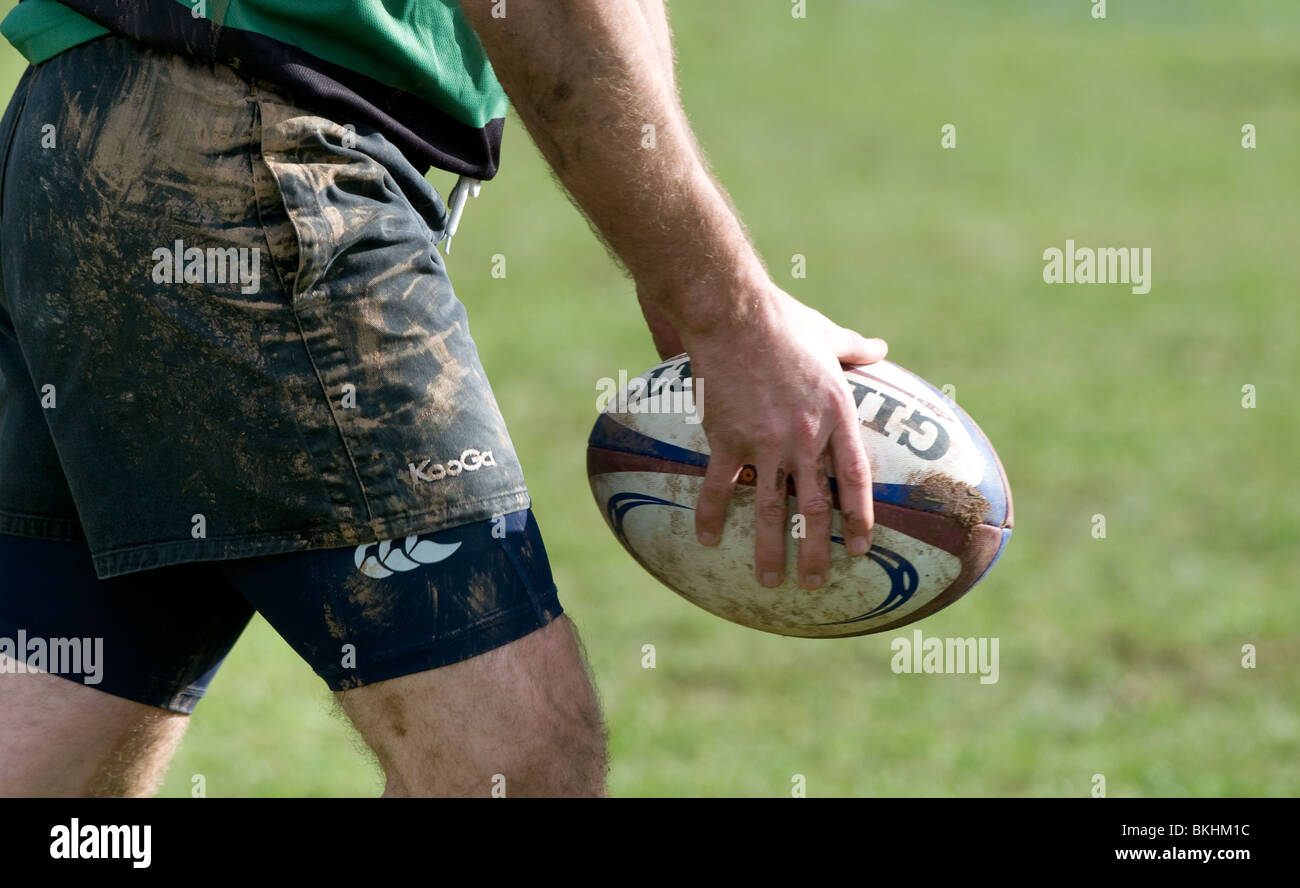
pixel 844 457
pixel 711 510
pixel 853 480
pixel 815 505
pixel 853 348
pixel 770 527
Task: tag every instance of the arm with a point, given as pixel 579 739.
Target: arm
pixel 586 76
pixel 655 13
pixel 665 338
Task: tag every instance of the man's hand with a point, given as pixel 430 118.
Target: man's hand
pixel 593 82
pixel 777 400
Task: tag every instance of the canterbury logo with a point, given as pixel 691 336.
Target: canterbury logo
pixel 390 559
pixel 470 460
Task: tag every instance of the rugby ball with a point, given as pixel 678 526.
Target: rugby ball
pixel 942 505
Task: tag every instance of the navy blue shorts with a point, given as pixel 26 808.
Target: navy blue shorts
pixel 357 616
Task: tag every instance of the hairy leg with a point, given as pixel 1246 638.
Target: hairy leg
pixel 63 738
pixel 522 718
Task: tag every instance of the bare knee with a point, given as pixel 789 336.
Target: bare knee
pixel 564 755
pixel 522 719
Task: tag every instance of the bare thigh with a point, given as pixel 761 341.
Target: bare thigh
pixel 522 719
pixel 62 738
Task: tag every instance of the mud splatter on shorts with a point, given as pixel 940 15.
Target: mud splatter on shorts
pixel 225 328
pixel 226 333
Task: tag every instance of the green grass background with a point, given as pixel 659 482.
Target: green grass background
pixel 1119 656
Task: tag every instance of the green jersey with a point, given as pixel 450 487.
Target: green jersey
pixel 413 69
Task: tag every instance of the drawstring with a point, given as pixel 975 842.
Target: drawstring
pixel 466 188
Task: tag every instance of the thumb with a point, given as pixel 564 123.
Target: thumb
pixel 853 348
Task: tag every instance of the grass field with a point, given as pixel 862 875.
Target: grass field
pixel 1120 656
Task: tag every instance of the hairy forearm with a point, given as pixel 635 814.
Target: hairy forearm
pixel 592 81
pixel 655 13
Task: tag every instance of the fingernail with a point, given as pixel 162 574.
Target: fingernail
pixel 812 581
pixel 706 538
pixel 770 579
pixel 859 545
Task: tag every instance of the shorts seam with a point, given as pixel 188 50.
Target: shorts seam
pixel 294 302
pixel 25 86
pixel 255 152
pixel 63 529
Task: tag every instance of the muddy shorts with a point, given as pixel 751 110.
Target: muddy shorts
pixel 357 616
pixel 225 330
